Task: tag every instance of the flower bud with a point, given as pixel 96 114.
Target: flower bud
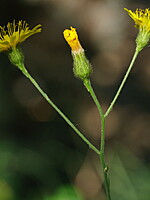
pixel 81 66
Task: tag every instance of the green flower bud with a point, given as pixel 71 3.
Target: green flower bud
pixel 81 66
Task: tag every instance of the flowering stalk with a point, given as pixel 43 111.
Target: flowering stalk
pixel 142 22
pixel 15 34
pixel 10 40
pixel 82 69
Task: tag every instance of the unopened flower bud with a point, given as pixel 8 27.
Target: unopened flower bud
pixel 81 66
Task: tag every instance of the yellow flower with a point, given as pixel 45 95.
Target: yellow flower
pixel 14 34
pixel 71 37
pixel 141 18
pixel 142 22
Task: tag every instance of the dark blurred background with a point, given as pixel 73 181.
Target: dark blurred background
pixel 41 157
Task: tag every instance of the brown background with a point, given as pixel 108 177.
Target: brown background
pixel 40 156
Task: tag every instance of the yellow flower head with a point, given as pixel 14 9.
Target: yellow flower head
pixel 14 34
pixel 142 22
pixel 141 18
pixel 71 37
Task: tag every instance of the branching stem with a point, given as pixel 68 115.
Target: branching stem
pixel 26 73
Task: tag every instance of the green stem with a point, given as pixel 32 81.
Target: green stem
pixel 92 93
pixel 102 144
pixel 122 83
pixel 104 166
pixel 26 73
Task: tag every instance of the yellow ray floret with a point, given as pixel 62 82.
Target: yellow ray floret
pixel 71 37
pixel 14 34
pixel 141 18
